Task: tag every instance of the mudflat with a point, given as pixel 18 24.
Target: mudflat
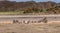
pixel 30 28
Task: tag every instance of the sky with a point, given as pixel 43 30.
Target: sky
pixel 58 1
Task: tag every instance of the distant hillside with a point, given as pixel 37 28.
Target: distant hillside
pixel 31 7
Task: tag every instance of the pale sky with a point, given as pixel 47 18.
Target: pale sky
pixel 37 0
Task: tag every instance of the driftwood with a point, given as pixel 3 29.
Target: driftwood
pixel 26 22
pixel 16 21
pixel 45 20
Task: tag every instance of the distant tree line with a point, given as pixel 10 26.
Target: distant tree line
pixel 30 7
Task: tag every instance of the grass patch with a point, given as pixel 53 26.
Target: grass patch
pixel 15 12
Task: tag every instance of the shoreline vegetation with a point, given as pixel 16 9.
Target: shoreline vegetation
pixel 29 7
